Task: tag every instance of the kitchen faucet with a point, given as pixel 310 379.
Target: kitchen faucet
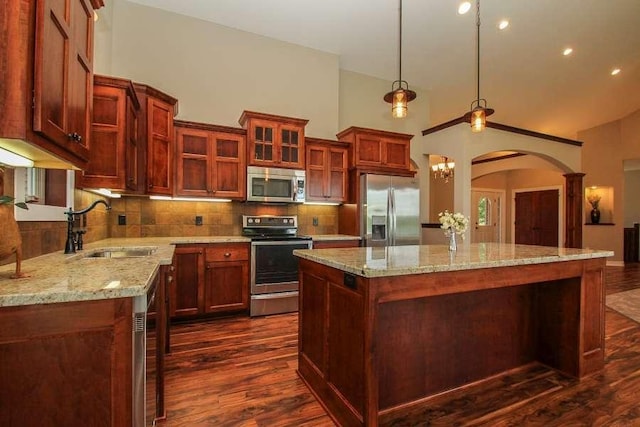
pixel 70 245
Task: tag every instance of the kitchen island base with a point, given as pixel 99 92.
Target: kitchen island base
pixel 372 346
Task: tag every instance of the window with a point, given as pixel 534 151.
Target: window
pixel 484 211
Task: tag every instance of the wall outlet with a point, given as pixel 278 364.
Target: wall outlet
pixel 198 219
pixel 315 221
pixel 122 219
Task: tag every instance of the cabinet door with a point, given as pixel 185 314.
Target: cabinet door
pixel 262 137
pixel 160 147
pixel 186 294
pixel 105 168
pixel 396 154
pixel 226 286
pixel 193 165
pixel 368 151
pixel 317 165
pixel 63 73
pixel 229 166
pixel 290 148
pixel 337 175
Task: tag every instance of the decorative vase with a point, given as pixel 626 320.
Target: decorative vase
pixel 595 216
pixel 11 242
pixel 452 242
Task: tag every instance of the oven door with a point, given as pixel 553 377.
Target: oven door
pixel 274 268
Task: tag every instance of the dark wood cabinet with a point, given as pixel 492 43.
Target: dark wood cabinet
pixel 113 148
pixel 46 52
pixel 67 364
pixel 210 278
pixel 274 141
pixel 186 296
pixel 156 140
pixel 326 170
pixel 378 151
pixel 210 161
pixel 227 278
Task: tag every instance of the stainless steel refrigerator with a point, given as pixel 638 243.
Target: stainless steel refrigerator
pixel 390 211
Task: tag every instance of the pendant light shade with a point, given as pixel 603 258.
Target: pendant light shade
pixel 400 94
pixel 479 111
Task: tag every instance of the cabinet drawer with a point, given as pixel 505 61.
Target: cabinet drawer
pixel 228 252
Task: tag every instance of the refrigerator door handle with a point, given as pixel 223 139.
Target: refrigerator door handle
pixel 392 218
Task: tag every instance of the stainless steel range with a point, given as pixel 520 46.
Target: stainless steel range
pixel 274 269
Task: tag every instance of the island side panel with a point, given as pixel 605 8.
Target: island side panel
pixel 592 317
pixel 331 341
pixel 429 345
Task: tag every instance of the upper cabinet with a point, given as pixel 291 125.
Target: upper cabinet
pixel 326 170
pixel 274 141
pixel 210 160
pixel 48 102
pixel 378 151
pixel 157 139
pixel 113 148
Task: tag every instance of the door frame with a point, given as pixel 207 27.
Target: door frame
pixel 502 212
pixel 561 219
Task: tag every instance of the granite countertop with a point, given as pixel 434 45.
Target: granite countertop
pixel 57 277
pixel 402 260
pixel 329 237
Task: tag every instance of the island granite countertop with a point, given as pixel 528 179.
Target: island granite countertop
pixel 56 277
pixel 417 259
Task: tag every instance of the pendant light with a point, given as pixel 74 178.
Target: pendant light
pixel 400 94
pixel 479 111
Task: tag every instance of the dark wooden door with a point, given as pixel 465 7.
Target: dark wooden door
pixel 537 218
pixel 186 293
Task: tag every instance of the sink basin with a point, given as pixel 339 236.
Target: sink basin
pixel 121 253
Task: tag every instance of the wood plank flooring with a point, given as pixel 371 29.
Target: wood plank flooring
pixel 242 372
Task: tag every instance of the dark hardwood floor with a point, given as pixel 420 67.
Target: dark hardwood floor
pixel 242 372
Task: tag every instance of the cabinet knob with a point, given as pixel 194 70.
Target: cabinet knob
pixel 227 254
pixel 75 136
pixel 169 279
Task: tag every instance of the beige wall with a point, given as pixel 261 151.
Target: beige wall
pixel 606 148
pixel 217 72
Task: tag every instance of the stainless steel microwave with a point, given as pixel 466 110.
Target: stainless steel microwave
pixel 275 185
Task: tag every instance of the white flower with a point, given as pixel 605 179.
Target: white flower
pixel 453 222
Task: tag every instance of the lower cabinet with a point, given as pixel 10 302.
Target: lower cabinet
pixel 210 278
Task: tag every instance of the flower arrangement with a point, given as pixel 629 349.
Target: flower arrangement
pixel 594 200
pixel 453 223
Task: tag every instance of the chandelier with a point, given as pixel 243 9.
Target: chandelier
pixel 443 169
pixel 479 111
pixel 400 94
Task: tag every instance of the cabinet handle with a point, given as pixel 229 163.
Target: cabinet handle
pixel 75 136
pixel 227 254
pixel 171 268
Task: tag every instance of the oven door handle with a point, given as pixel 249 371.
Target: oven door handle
pixel 282 242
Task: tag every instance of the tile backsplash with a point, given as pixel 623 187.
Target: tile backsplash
pixel 159 218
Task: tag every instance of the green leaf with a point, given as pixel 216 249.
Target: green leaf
pixel 6 200
pixel 22 205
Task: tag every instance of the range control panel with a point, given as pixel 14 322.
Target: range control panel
pixel 269 221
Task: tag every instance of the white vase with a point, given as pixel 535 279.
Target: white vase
pixel 452 242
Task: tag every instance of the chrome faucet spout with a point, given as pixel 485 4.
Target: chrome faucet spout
pixel 70 245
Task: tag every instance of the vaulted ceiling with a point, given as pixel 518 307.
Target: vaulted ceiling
pixel 524 75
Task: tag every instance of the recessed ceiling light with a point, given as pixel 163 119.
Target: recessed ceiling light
pixel 568 51
pixel 503 24
pixel 464 7
pixel 615 71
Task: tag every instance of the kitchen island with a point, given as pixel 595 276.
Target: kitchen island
pixel 383 329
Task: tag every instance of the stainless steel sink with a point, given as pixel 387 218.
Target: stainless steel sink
pixel 121 253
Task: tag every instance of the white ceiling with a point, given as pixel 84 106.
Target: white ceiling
pixel 524 75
